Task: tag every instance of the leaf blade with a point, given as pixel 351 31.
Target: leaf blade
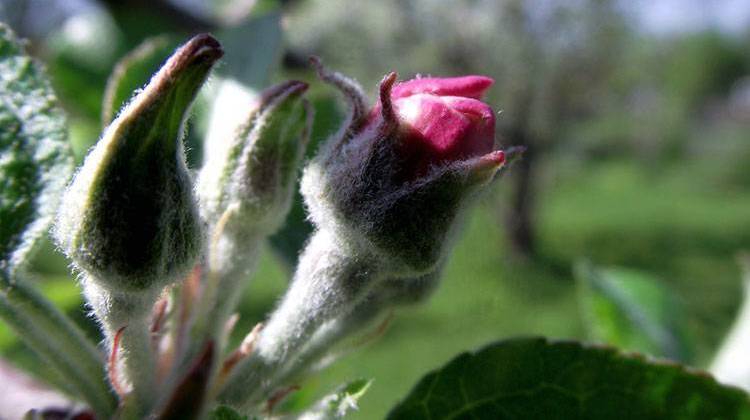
pixel 531 378
pixel 35 157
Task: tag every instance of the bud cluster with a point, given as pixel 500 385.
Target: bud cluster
pixel 164 258
pixel 386 194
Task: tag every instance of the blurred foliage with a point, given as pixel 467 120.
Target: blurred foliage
pixel 633 311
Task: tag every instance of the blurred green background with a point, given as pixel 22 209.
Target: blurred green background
pixel 636 116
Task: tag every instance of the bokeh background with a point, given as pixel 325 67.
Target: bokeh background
pixel 621 224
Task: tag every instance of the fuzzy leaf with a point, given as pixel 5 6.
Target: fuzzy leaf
pixel 632 310
pixel 534 378
pixel 35 157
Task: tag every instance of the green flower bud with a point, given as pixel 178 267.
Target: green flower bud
pixel 255 171
pixel 245 191
pixel 128 218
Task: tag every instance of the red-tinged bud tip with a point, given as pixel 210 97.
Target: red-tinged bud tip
pixel 203 47
pixel 282 90
pixel 485 167
pixel 496 158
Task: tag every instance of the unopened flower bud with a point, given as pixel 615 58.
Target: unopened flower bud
pixel 129 219
pixel 245 191
pixel 255 171
pixel 397 178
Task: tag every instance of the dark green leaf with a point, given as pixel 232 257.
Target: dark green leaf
pixel 57 341
pixel 632 310
pixel 35 157
pixel 533 378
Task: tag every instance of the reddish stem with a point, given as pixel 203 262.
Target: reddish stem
pixel 112 371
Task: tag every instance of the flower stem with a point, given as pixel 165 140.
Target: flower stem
pixel 132 311
pixel 386 295
pixel 232 258
pixel 330 279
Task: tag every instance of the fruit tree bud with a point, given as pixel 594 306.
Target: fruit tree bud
pixel 385 194
pixel 256 170
pixel 396 179
pixel 245 191
pixel 128 218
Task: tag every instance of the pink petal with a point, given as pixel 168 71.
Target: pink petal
pixel 439 126
pixel 466 86
pixel 482 139
pixel 447 128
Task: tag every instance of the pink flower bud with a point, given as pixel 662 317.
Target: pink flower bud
pixel 396 178
pixel 440 120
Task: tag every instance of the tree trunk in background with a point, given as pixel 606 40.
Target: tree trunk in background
pixel 519 218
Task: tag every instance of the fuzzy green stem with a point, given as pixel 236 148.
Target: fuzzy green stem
pixel 232 260
pixel 330 279
pixel 132 311
pixel 384 296
pixel 57 340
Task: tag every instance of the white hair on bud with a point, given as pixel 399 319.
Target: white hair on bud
pixel 229 113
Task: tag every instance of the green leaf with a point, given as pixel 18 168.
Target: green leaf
pixel 224 412
pixel 133 72
pixel 533 378
pixel 35 165
pixel 632 310
pixel 35 157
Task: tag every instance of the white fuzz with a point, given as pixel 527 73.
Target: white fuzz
pixel 230 110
